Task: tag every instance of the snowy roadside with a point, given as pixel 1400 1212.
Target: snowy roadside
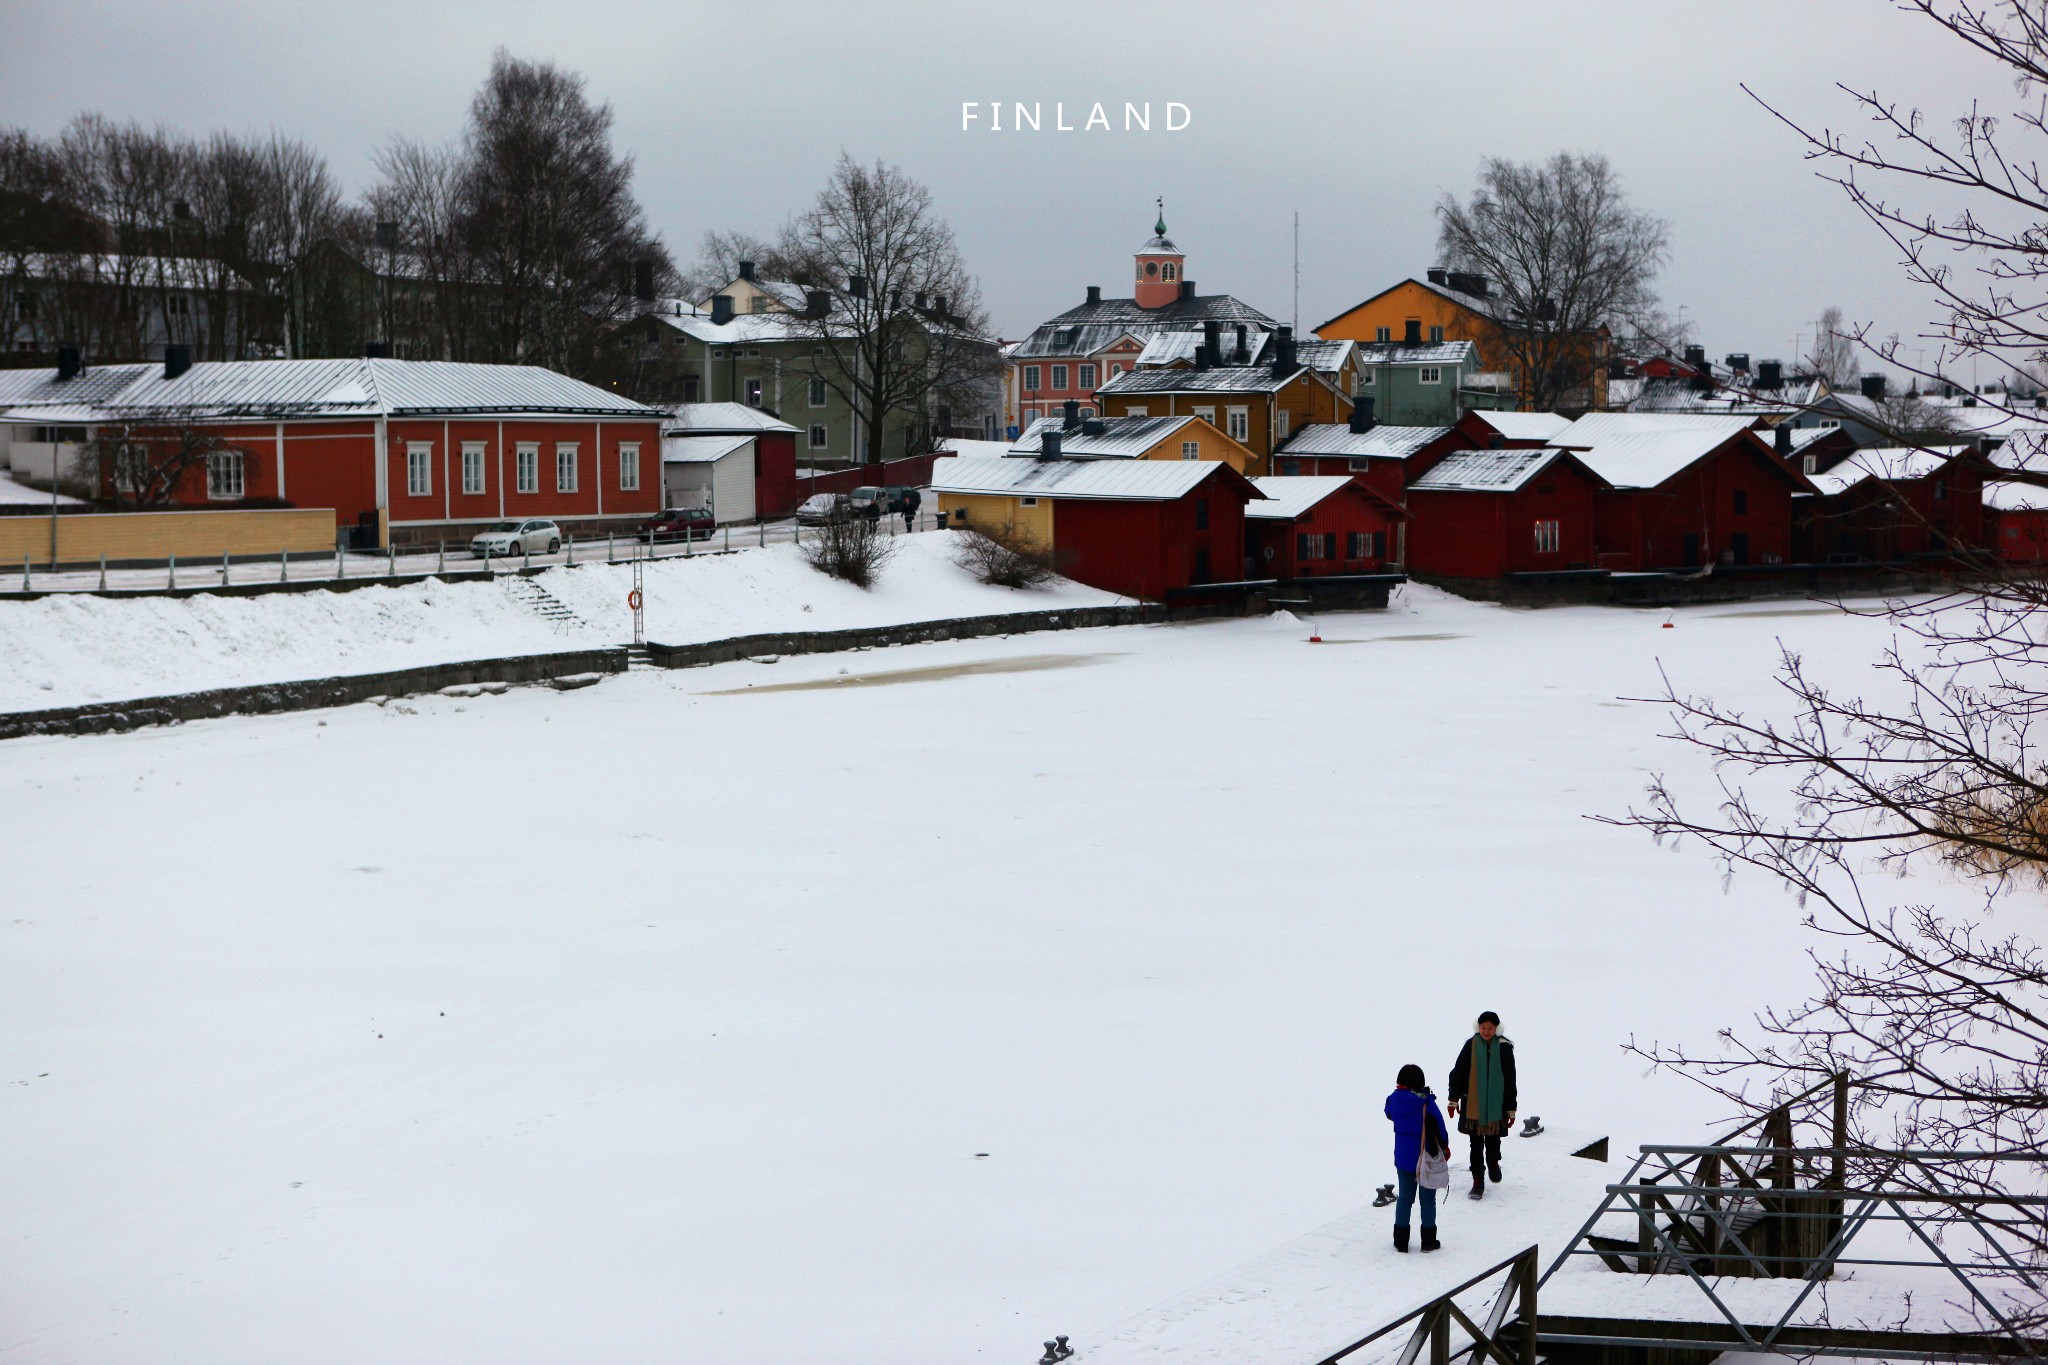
pixel 68 650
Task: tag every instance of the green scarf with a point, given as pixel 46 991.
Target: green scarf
pixel 1486 1088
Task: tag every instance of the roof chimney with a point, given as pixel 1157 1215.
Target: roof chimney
pixel 1187 289
pixel 817 303
pixel 1696 357
pixel 643 281
pixel 1283 352
pixel 1094 294
pixel 857 286
pixel 387 236
pixel 1770 374
pixel 1361 413
pixel 1873 387
pixel 1479 284
pixel 1094 426
pixel 67 363
pixel 1436 275
pixel 1781 438
pixel 1070 414
pixel 1243 355
pixel 721 309
pixel 1049 445
pixel 177 360
pixel 746 270
pixel 919 303
pixel 1212 340
pixel 376 350
pixel 1411 332
pixel 1738 362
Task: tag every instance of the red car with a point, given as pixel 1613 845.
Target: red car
pixel 679 523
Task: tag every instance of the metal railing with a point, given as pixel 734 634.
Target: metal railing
pixel 1507 1334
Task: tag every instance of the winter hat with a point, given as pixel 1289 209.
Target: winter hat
pixel 1490 1018
pixel 1412 1077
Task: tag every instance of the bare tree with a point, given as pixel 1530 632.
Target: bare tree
pixel 1573 263
pixel 1941 1015
pixel 1834 353
pixel 140 465
pixel 849 546
pixel 903 333
pixel 718 263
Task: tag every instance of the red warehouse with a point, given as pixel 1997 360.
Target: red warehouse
pixel 1491 513
pixel 1318 526
pixel 405 451
pixel 1685 491
pixel 761 483
pixel 1889 503
pixel 1374 454
pixel 1144 528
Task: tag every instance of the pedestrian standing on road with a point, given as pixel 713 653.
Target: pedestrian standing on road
pixel 1418 1130
pixel 1483 1086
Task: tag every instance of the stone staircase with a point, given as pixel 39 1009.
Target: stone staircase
pixel 530 594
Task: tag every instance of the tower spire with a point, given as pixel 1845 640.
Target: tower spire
pixel 1159 229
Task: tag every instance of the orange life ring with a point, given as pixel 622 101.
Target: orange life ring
pixel 633 599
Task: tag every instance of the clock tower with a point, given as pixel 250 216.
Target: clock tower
pixel 1160 267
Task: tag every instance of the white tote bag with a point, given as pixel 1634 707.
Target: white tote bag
pixel 1432 1172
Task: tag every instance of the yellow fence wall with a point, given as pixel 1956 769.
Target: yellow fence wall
pixel 83 538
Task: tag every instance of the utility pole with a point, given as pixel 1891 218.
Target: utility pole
pixel 1297 272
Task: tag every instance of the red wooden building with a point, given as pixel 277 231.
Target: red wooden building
pixel 1684 491
pixel 1490 513
pixel 1888 503
pixel 1374 454
pixel 406 452
pixel 1320 526
pixel 773 454
pixel 1144 528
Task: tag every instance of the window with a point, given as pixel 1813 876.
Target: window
pixel 1031 373
pixel 1828 422
pixel 472 466
pixel 1546 537
pixel 1240 423
pixel 1366 378
pixel 1087 411
pixel 1151 268
pixel 1365 544
pixel 1059 379
pixel 1429 374
pixel 753 393
pixel 1436 334
pixel 131 468
pixel 419 469
pixel 1308 547
pixel 1166 272
pixel 1138 411
pixel 629 466
pixel 1383 334
pixel 1811 464
pixel 527 464
pixel 815 394
pixel 1116 367
pixel 1191 450
pixel 1030 415
pixel 1741 501
pixel 1206 414
pixel 818 436
pixel 224 474
pixel 1283 422
pixel 1201 514
pixel 565 467
pixel 1027 502
pixel 753 352
pixel 1360 466
pixel 178 306
pixel 1087 376
pixel 692 386
pixel 1289 468
pixel 759 304
pixel 1940 490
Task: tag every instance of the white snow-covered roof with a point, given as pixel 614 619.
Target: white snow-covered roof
pixel 1451 353
pixel 1121 437
pixel 1173 348
pixel 987 450
pixel 701 449
pixel 1291 496
pixel 721 417
pixel 1487 471
pixel 1113 480
pixel 1892 464
pixel 1642 450
pixel 1525 426
pixel 1222 379
pixel 364 388
pixel 1379 443
pixel 2015 497
pixel 55 399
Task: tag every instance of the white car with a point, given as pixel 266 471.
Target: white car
pixel 517 537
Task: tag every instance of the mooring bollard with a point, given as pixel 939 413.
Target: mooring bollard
pixel 173 580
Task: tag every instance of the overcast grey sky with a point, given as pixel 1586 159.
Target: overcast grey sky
pixel 1357 114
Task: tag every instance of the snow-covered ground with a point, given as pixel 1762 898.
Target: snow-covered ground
pixel 64 650
pixel 1027 985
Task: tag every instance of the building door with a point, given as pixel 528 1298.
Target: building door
pixel 1690 556
pixel 1201 566
pixel 1738 545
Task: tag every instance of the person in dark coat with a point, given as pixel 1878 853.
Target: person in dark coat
pixel 911 500
pixel 1416 1119
pixel 1483 1087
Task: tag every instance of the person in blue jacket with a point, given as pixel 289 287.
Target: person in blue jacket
pixel 1412 1108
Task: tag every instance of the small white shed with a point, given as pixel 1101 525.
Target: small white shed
pixel 709 471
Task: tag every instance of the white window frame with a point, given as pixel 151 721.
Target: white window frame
pixel 226 476
pixel 629 466
pixel 419 469
pixel 1207 414
pixel 1429 374
pixel 1239 423
pixel 1367 378
pixel 1031 415
pixel 819 436
pixel 131 467
pixel 1027 502
pixel 566 463
pixel 1086 377
pixel 1059 378
pixel 526 460
pixel 1191 450
pixel 1032 375
pixel 1436 334
pixel 1547 539
pixel 1828 423
pixel 1382 335
pixel 473 476
pixel 1283 422
pixel 1138 411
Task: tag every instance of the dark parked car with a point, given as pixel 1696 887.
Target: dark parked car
pixel 679 523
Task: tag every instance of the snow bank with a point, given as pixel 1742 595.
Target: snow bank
pixel 65 650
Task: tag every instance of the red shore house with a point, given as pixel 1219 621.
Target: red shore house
pixel 404 451
pixel 1320 526
pixel 1889 503
pixel 1491 513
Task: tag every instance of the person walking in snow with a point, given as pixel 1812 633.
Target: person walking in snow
pixel 911 500
pixel 1418 1125
pixel 1483 1086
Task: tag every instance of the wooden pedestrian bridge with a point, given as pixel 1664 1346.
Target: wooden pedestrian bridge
pixel 1753 1243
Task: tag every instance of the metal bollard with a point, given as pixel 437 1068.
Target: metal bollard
pixel 762 526
pixel 440 557
pixel 525 557
pixel 611 548
pixel 340 569
pixel 728 537
pixel 223 568
pixel 569 548
pixel 689 543
pixel 390 560
pixel 284 566
pixel 103 571
pixel 24 573
pixel 173 580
